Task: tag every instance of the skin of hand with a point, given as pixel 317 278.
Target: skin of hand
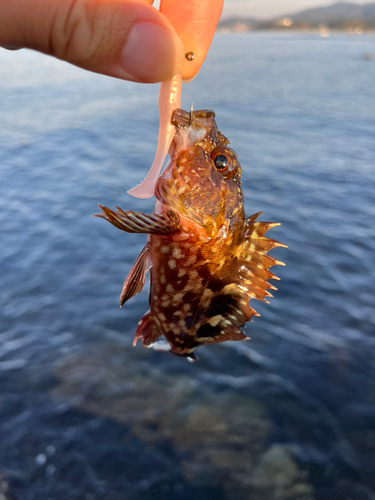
pixel 127 39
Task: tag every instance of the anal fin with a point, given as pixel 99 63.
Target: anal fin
pixel 135 281
pixel 136 222
pixel 147 331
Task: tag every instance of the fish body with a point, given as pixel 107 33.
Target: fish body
pixel 206 259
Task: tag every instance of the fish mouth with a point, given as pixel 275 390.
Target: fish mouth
pixel 190 128
pixel 183 119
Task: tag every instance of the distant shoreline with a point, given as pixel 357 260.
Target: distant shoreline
pixel 323 33
pixel 341 17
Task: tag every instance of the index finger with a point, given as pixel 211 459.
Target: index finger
pixel 195 22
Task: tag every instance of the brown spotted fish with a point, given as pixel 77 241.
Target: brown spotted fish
pixel 206 260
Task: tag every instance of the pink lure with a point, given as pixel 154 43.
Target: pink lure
pixel 169 100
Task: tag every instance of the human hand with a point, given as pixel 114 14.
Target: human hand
pixel 128 39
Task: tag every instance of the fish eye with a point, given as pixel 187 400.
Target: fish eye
pixel 225 161
pixel 221 162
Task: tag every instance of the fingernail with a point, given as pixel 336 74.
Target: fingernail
pixel 11 47
pixel 152 53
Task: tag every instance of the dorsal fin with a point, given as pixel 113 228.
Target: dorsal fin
pixel 229 308
pixel 254 261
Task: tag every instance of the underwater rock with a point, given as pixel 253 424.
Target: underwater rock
pixel 4 489
pixel 218 438
pixel 277 477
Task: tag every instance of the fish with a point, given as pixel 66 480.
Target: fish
pixel 205 258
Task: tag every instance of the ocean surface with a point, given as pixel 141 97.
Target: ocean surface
pixel 288 415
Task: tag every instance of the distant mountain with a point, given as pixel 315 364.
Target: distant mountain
pixel 341 15
pixel 339 12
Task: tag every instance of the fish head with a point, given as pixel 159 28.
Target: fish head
pixel 203 179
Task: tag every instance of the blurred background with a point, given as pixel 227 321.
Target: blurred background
pixel 288 415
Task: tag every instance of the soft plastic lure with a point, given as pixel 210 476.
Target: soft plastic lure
pixel 169 100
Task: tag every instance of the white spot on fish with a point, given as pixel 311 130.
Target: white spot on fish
pixel 191 260
pixel 228 289
pixel 215 320
pixel 177 254
pixel 177 298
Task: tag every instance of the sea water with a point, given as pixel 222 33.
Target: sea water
pixel 290 414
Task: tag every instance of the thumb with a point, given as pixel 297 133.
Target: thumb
pixel 128 39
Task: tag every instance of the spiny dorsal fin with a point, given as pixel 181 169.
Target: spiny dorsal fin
pixel 254 261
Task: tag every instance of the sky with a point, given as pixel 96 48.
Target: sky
pixel 263 9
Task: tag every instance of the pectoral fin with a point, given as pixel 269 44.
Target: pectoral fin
pixel 136 278
pixel 136 222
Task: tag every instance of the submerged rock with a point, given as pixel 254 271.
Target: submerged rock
pixel 218 438
pixel 277 476
pixel 4 494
